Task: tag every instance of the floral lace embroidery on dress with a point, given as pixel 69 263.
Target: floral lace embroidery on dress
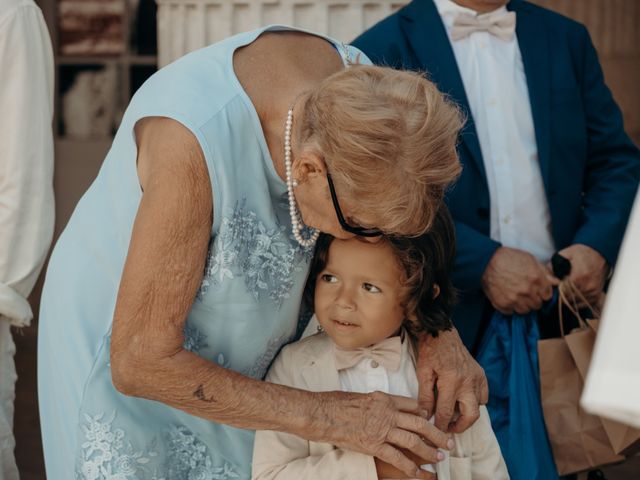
pixel 264 256
pixel 107 455
pixel 194 339
pixel 259 369
pixel 188 459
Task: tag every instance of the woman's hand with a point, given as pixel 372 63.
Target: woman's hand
pixel 382 425
pixel 445 366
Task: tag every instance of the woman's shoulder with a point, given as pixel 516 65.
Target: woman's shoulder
pixel 185 91
pixel 193 88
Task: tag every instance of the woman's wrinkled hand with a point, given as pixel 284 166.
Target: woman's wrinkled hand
pixel 451 382
pixel 383 425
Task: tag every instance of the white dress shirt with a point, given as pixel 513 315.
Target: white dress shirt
pixel 368 376
pixel 26 154
pixel 26 186
pixel 496 86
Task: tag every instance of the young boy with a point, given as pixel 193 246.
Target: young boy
pixel 371 300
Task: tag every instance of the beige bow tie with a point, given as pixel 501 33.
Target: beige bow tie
pixel 387 353
pixel 500 24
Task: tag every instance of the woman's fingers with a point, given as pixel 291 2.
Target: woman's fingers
pixel 426 382
pixel 425 429
pixel 469 413
pixel 417 435
pixel 405 404
pixel 410 420
pixel 445 408
pixel 395 457
pixel 482 390
pixel 412 442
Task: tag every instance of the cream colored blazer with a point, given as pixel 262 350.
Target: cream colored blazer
pixel 308 364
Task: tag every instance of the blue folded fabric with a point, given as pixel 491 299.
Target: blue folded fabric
pixel 509 355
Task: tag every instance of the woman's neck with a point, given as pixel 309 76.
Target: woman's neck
pixel 275 70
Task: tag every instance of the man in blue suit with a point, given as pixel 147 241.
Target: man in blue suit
pixel 547 165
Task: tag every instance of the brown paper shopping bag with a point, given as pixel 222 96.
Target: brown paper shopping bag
pixel 625 440
pixel 579 440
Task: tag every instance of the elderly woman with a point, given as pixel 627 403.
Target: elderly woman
pixel 229 162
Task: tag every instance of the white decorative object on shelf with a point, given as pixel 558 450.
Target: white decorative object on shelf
pixel 88 107
pixel 186 25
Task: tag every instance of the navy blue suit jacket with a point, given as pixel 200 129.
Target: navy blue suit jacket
pixel 589 166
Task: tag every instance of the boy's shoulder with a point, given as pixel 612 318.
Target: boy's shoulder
pixel 310 346
pixel 300 364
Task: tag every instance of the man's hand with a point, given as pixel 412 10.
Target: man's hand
pixel 384 470
pixel 445 364
pixel 589 270
pixel 514 281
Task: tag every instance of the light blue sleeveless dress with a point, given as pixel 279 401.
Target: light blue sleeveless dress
pixel 246 309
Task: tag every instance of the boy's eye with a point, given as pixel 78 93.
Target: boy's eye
pixel 325 277
pixel 369 287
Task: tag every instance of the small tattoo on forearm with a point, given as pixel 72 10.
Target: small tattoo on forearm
pixel 199 394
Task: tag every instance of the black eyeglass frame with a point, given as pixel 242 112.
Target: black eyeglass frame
pixel 360 231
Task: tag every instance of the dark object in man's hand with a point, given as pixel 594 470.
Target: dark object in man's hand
pixel 561 266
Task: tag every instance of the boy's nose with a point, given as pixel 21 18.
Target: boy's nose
pixel 345 299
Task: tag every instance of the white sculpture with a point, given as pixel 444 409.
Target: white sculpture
pixel 88 109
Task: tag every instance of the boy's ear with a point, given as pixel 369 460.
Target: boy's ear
pixel 436 290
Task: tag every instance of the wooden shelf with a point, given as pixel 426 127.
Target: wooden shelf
pixel 124 59
pixel 78 160
pixel 141 59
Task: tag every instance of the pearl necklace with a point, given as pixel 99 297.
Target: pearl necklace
pixel 296 222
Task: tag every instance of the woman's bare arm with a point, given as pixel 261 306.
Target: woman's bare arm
pixel 162 273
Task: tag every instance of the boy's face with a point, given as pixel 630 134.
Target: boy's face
pixel 358 296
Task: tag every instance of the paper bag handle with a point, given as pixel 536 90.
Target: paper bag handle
pixel 568 287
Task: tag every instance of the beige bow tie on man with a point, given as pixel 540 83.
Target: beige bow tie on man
pixel 501 24
pixel 387 353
